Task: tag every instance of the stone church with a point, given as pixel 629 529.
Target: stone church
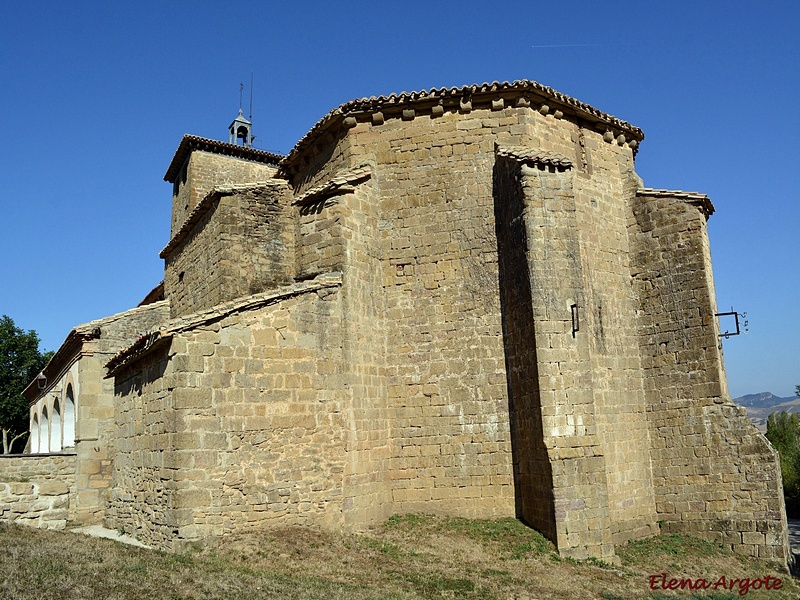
pixel 459 301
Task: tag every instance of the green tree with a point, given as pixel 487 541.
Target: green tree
pixel 783 432
pixel 797 391
pixel 20 362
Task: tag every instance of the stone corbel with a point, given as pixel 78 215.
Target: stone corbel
pixel 465 105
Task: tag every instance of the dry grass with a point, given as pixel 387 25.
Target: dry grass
pixel 407 557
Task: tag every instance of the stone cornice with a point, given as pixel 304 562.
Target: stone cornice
pixel 495 96
pixel 154 340
pixel 534 158
pixel 339 184
pixel 697 199
pixel 143 346
pixel 190 143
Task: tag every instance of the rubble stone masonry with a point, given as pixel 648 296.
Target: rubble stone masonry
pixel 36 490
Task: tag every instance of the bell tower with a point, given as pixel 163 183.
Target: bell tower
pixel 241 129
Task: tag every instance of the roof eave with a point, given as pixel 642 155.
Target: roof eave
pixel 190 143
pixel 537 95
pixel 58 364
pixel 701 201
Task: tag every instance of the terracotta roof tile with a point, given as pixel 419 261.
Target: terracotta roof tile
pixel 454 95
pixel 190 143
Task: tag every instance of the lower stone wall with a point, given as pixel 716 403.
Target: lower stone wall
pixel 714 474
pixel 36 490
pixel 734 495
pixel 237 422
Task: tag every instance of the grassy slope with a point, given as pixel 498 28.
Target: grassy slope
pixel 407 557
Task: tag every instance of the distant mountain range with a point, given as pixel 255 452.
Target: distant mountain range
pixel 761 406
pixel 762 400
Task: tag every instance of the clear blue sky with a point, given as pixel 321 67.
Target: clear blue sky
pixel 96 96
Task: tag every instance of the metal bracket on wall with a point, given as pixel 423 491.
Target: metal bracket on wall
pixel 735 315
pixel 576 324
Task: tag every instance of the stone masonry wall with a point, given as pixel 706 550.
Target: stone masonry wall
pixel 713 472
pixel 242 243
pixel 439 253
pixel 143 477
pixel 448 411
pixel 202 173
pixel 234 421
pixel 369 447
pixel 81 376
pixel 94 399
pixel 260 241
pixel 333 156
pixel 143 485
pixel 533 474
pixel 340 231
pixel 514 329
pixel 557 281
pixel 36 489
pixel 320 246
pixel 192 274
pixel 570 417
pixel 604 185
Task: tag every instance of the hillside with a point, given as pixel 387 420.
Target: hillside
pixel 761 400
pixel 408 557
pixel 761 406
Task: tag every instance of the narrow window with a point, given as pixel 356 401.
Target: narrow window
pixel 44 433
pixel 69 418
pixel 35 435
pixel 55 428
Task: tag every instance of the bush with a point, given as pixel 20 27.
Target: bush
pixel 783 432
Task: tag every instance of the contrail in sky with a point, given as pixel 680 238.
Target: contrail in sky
pixel 574 45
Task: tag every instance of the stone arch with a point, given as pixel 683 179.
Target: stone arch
pixel 55 427
pixel 35 434
pixel 69 417
pixel 44 432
